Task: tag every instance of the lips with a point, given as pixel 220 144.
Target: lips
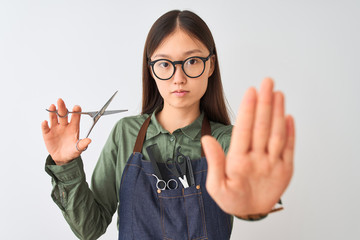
pixel 180 92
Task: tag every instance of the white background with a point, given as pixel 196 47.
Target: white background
pixel 83 51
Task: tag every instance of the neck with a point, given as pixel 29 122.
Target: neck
pixel 172 118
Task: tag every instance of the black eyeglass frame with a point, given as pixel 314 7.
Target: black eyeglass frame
pixel 204 59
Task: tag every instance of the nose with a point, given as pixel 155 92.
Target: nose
pixel 179 75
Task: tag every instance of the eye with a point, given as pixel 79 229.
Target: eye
pixel 163 64
pixel 192 61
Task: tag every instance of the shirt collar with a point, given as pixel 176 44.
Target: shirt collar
pixel 192 130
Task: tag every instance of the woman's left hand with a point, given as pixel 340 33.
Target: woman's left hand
pixel 259 164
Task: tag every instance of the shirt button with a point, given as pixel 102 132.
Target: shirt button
pixel 172 138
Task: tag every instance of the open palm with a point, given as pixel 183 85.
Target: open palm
pixel 259 164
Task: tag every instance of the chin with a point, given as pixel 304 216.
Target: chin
pixel 184 106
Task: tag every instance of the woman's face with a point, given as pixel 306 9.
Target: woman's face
pixel 180 91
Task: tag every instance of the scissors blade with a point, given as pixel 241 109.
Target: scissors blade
pixel 91 114
pixel 191 171
pixel 102 110
pixel 184 181
pixel 100 113
pixel 113 112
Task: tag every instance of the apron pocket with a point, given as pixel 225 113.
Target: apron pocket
pixel 182 213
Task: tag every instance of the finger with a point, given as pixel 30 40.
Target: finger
pixel 45 127
pixel 278 128
pixel 83 144
pixel 288 153
pixel 263 116
pixel 62 111
pixel 215 157
pixel 242 131
pixel 75 118
pixel 52 116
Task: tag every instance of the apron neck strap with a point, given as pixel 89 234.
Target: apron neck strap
pixel 205 130
pixel 141 135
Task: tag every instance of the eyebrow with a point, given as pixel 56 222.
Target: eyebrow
pixel 185 53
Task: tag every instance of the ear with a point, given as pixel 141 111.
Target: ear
pixel 151 72
pixel 212 65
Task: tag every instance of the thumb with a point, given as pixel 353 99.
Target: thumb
pixel 215 157
pixel 83 144
pixel 45 127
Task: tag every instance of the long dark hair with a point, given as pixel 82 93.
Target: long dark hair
pixel 213 102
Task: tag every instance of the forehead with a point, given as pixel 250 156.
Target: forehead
pixel 179 44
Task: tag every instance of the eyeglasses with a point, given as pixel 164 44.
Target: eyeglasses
pixel 193 67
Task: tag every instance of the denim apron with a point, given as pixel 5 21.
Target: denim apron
pixel 146 212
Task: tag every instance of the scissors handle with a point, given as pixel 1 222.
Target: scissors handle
pixel 181 161
pixel 91 128
pixel 161 184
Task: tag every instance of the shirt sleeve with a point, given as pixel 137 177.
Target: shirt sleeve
pixel 87 211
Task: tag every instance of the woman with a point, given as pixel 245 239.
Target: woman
pixel 182 103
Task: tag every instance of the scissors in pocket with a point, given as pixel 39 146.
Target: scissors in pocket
pixel 177 166
pixel 153 152
pixel 94 115
pixel 161 184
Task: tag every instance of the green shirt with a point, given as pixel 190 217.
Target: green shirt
pixel 89 211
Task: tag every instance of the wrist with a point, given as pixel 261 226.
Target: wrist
pixel 258 216
pixel 60 162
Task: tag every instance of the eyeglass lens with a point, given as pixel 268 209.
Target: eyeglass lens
pixel 193 67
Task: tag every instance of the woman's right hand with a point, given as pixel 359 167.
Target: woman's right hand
pixel 61 138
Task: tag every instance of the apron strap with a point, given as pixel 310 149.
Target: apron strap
pixel 141 135
pixel 205 130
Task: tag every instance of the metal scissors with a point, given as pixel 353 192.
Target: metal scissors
pixel 177 166
pixel 160 183
pixel 95 115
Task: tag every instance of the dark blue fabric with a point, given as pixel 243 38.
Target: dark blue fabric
pixel 182 213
